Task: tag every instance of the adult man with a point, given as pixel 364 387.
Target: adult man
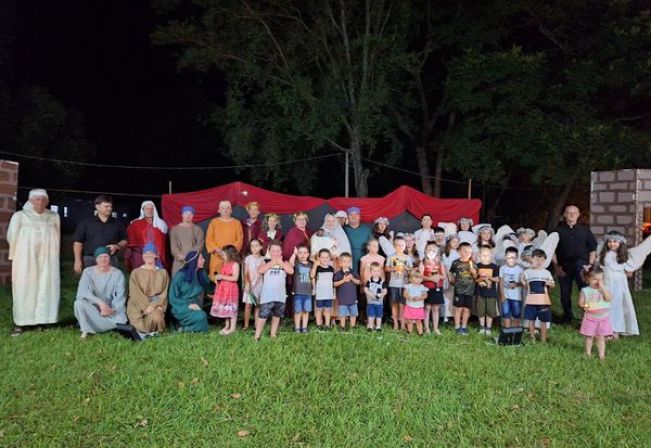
pixel 148 228
pixel 34 239
pixel 222 231
pixel 576 248
pixel 185 237
pixel 99 230
pixel 358 235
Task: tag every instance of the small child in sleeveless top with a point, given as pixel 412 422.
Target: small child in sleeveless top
pixel 595 301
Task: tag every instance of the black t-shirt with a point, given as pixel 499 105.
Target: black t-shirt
pixel 575 243
pixel 93 233
pixel 487 271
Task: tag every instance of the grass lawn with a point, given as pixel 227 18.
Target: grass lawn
pixel 319 390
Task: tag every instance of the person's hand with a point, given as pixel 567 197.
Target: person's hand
pixel 180 257
pixel 218 277
pixel 105 310
pixel 295 252
pixel 113 248
pixel 560 272
pixel 77 267
pixel 150 309
pixel 194 306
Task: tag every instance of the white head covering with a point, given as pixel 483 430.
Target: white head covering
pixel 338 234
pixel 156 220
pixel 38 193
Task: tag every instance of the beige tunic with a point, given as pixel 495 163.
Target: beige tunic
pixel 182 241
pixel 34 245
pixel 147 287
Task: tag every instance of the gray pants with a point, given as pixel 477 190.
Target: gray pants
pixel 89 261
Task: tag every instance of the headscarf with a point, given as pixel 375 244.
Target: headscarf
pixel 614 235
pixel 156 220
pixel 101 250
pixel 526 231
pixel 150 247
pixel 338 234
pixel 187 208
pixel 35 193
pixel 190 267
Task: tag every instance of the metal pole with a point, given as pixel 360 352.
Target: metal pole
pixel 169 186
pixel 469 188
pixel 346 176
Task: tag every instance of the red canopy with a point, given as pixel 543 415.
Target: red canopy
pixel 403 199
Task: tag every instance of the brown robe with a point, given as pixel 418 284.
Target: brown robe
pixel 147 287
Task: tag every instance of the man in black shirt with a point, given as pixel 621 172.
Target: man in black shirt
pixel 100 230
pixel 577 248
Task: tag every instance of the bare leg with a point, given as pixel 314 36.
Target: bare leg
pixel 306 317
pixel 532 330
pixel 401 310
pixel 259 326
pixel 410 326
pixel 233 325
pixel 457 317
pixel 506 323
pixel 482 322
pixel 247 316
pixel 275 321
pixel 435 319
pixel 489 322
pixel 318 316
pixel 326 312
pixel 394 315
pixel 464 317
pixel 419 327
pixel 297 320
pixel 588 346
pixel 342 322
pixel 543 331
pixel 601 347
pixel 428 312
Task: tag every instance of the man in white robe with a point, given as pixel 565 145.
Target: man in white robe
pixel 34 238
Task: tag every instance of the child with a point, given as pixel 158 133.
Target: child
pixel 252 281
pixel 411 249
pixel 595 301
pixel 227 292
pixel 346 281
pixel 271 231
pixel 619 263
pixel 375 290
pixel 273 294
pixel 537 303
pixel 398 267
pixel 322 284
pixel 525 237
pixel 462 275
pixel 415 294
pixel 373 256
pixel 302 288
pixel 433 273
pixel 449 256
pixel 486 298
pixel 511 289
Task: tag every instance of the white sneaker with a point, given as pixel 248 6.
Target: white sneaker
pixel 488 332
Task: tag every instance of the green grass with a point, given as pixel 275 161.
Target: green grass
pixel 319 390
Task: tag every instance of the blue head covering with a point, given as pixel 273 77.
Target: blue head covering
pixel 354 210
pixel 187 208
pixel 190 266
pixel 150 247
pixel 101 250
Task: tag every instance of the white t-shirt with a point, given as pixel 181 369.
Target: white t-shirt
pixel 511 274
pixel 415 291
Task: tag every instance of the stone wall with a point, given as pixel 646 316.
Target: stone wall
pixel 8 191
pixel 617 202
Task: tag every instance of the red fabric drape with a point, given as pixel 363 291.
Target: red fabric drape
pixel 394 204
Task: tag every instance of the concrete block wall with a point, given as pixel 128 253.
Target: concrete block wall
pixel 617 202
pixel 8 191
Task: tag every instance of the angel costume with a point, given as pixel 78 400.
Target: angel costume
pixel 622 310
pixel 34 243
pixel 334 239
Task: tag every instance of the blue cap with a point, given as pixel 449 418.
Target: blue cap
pixel 150 247
pixel 101 250
pixel 187 208
pixel 354 210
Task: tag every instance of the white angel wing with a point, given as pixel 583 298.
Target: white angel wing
pixel 637 255
pixel 386 246
pixel 540 239
pixel 449 227
pixel 465 236
pixel 549 247
pixel 498 239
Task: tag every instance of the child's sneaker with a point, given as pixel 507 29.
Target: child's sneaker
pixel 487 331
pixel 305 330
pixel 464 331
pixel 319 327
pixel 459 330
pixel 298 330
pixel 378 328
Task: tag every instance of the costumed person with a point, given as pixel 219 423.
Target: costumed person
pixel 342 217
pixel 465 233
pixel 186 294
pixel 330 236
pixel 525 237
pixel 149 228
pixel 271 231
pixel 34 237
pixel 299 235
pixel 101 297
pixel 185 237
pixel 618 263
pixel 251 225
pixel 424 235
pixel 100 230
pixel 222 231
pixel 148 294
pixel 384 236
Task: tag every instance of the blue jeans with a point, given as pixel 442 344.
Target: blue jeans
pixel 302 303
pixel 374 311
pixel 511 309
pixel 347 311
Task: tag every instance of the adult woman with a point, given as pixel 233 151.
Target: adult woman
pixel 271 231
pixel 186 294
pixel 100 302
pixel 330 236
pixel 148 294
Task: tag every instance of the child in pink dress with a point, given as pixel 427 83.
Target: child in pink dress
pixel 595 301
pixel 227 293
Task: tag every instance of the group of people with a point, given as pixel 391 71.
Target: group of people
pixel 343 272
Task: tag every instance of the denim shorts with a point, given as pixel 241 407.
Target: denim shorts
pixel 395 295
pixel 347 311
pixel 324 303
pixel 373 311
pixel 511 309
pixel 272 309
pixel 542 312
pixel 302 303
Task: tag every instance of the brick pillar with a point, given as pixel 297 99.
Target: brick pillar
pixel 8 191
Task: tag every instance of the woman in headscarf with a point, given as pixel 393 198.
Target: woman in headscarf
pixel 148 294
pixel 149 228
pixel 185 237
pixel 186 294
pixel 330 236
pixel 100 303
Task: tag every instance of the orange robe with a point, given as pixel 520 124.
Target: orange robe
pixel 221 233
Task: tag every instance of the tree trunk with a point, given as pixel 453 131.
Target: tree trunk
pixel 423 169
pixel 360 173
pixel 557 207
